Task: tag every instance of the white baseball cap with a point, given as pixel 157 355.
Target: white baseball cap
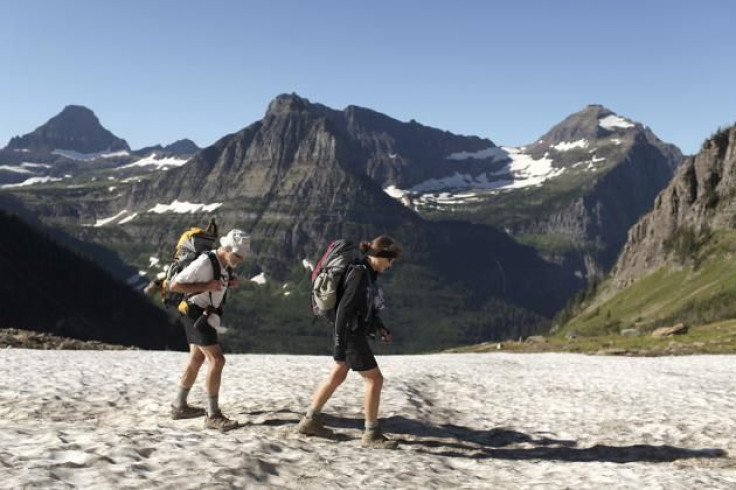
pixel 237 241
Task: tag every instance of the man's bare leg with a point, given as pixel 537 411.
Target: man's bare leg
pixel 180 409
pixel 215 363
pixel 196 358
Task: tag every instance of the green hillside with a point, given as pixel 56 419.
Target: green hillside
pixel 701 290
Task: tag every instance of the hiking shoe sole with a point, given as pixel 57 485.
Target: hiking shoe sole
pixel 313 428
pixel 187 412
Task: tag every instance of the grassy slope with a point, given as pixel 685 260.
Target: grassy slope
pixel 697 293
pixel 712 338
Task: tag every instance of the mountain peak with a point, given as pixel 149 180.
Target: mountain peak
pixel 179 147
pixel 182 146
pixel 75 128
pixel 76 115
pixel 591 123
pixel 285 103
pixel 78 110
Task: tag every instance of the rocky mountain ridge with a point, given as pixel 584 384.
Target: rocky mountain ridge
pixel 179 147
pixel 305 174
pixel 699 200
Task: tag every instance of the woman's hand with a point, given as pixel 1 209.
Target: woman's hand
pixel 385 334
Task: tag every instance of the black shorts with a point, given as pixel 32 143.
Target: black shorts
pixel 204 336
pixel 359 354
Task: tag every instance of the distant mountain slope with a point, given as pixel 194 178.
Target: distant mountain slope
pixel 677 264
pixel 52 289
pixel 573 193
pixel 179 147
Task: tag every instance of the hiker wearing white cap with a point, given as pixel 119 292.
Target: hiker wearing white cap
pixel 205 282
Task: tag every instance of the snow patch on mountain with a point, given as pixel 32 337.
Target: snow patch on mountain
pixel 31 181
pixel 448 199
pixel 493 152
pixel 18 170
pixel 88 157
pixel 590 164
pixel 571 145
pixel 520 170
pixel 527 171
pixel 24 168
pixel 613 121
pixel 184 207
pixel 128 219
pixel 157 161
pixel 394 192
pixel 105 221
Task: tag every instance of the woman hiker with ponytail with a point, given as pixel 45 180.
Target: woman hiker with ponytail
pixel 356 318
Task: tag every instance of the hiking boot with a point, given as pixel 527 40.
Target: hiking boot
pixel 313 426
pixel 374 438
pixel 220 422
pixel 186 412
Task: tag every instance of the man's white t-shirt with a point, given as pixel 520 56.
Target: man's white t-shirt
pixel 200 270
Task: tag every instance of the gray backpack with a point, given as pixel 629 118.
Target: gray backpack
pixel 328 277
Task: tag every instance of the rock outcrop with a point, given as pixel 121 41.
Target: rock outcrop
pixel 700 199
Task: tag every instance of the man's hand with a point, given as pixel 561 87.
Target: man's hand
pixel 385 334
pixel 233 282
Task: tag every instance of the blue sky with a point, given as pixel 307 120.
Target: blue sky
pixel 157 71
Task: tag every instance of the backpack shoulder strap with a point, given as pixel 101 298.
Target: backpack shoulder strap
pixel 217 270
pixel 215 264
pixel 353 266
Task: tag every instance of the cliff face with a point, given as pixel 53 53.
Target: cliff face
pixel 613 202
pixel 701 198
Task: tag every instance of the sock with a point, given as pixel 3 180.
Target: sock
pixel 312 412
pixel 181 397
pixel 371 425
pixel 212 407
